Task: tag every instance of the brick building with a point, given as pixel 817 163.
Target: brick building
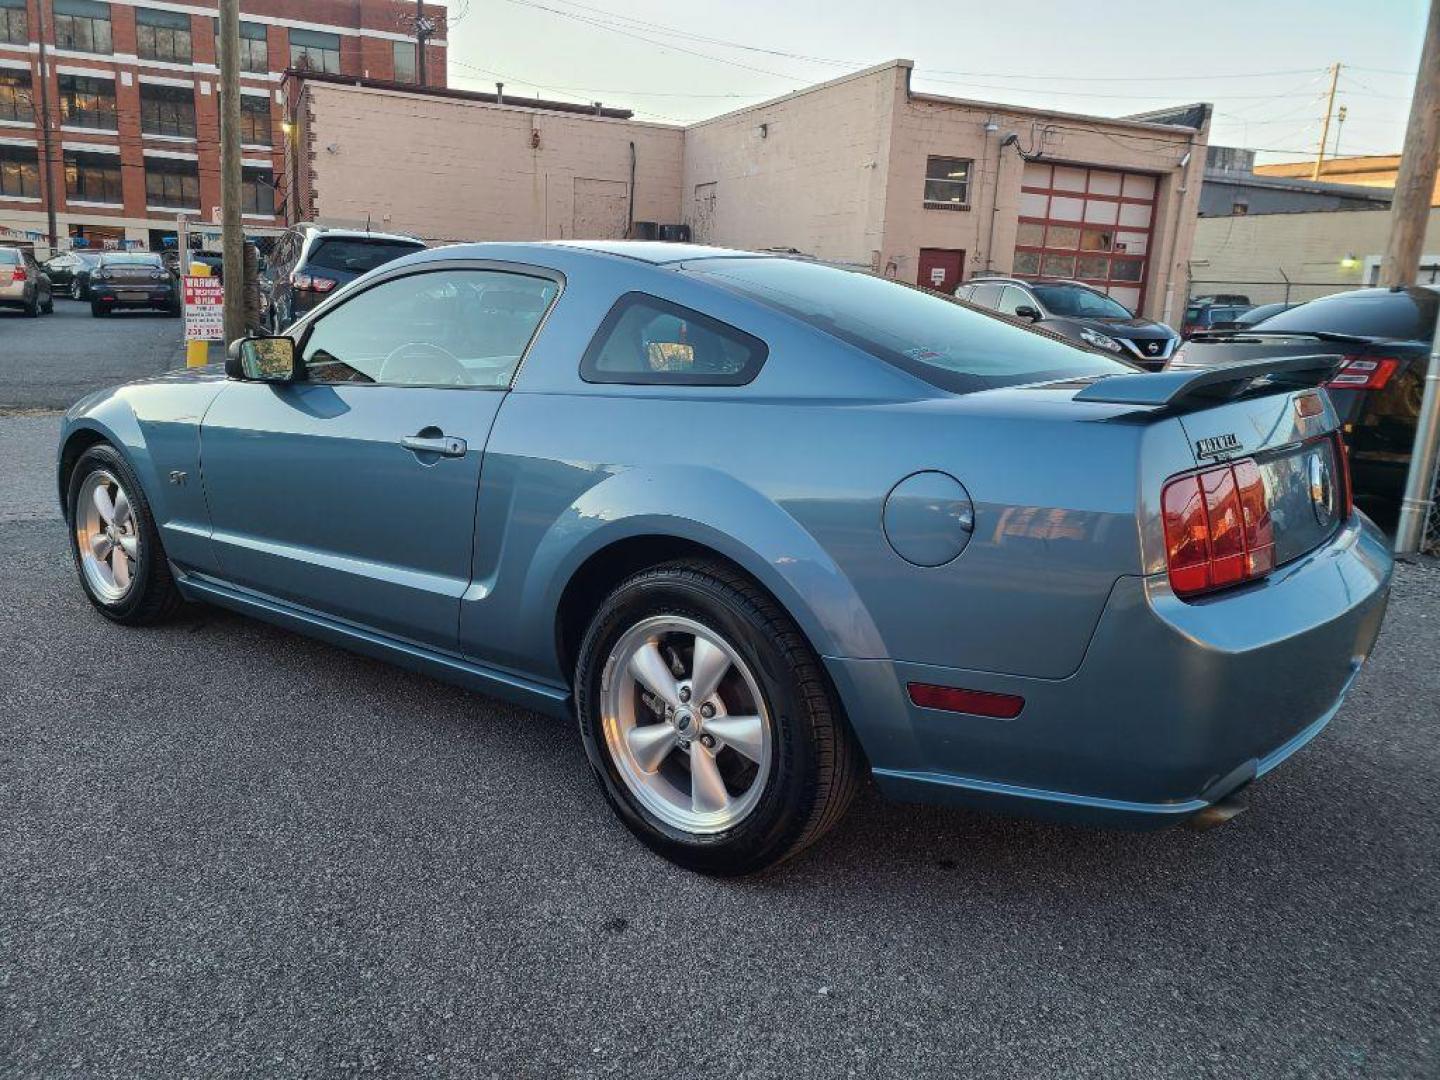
pixel 862 169
pixel 134 119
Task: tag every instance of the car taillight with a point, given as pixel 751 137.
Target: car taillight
pixel 1364 373
pixel 1218 529
pixel 19 274
pixel 312 283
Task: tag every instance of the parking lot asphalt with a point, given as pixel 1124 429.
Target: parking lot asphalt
pixel 53 361
pixel 226 850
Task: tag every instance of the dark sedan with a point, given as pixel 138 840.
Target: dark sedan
pixel 1383 337
pixel 133 279
pixel 69 273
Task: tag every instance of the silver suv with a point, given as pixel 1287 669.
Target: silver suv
pixel 23 284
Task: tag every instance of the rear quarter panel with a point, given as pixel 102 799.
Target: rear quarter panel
pixel 788 476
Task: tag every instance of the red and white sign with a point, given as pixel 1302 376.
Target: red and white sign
pixel 204 309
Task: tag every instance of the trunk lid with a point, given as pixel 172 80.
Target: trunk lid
pixel 1268 411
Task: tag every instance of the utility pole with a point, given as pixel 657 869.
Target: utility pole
pixel 425 28
pixel 230 187
pixel 1325 129
pixel 1409 215
pixel 46 148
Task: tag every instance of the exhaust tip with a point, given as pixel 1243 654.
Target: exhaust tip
pixel 1218 813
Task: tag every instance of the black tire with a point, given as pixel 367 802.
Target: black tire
pixel 153 596
pixel 815 767
pixel 98 311
pixel 49 306
pixel 32 306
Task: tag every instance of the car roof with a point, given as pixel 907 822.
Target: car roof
pixel 657 252
pixel 356 234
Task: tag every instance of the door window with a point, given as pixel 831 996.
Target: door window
pixel 442 328
pixel 1012 299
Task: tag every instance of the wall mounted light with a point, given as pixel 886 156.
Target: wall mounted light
pixel 1349 262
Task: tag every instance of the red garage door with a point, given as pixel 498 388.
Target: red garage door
pixel 1094 225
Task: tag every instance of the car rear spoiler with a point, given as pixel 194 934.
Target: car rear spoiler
pixel 1195 388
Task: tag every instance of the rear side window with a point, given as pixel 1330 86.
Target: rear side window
pixel 646 340
pixel 986 295
pixel 940 340
pixel 356 256
pixel 1408 315
pixel 10 257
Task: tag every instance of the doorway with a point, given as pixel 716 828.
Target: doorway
pixel 941 269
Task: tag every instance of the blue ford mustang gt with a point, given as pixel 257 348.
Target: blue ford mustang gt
pixel 764 527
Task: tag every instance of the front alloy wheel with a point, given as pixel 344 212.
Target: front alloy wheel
pixel 116 545
pixel 107 536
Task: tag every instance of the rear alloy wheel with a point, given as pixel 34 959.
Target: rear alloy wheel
pixel 75 293
pixel 115 543
pixel 709 722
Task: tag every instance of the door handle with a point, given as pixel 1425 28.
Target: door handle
pixel 444 445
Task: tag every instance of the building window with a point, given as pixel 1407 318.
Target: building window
pixel 405 61
pixel 947 183
pixel 83 25
pixel 16 100
pixel 93 178
pixel 257 189
pixel 311 50
pixel 162 35
pixel 87 102
pixel 14 27
pixel 254 48
pixel 167 110
pixel 255 120
pixel 19 172
pixel 173 183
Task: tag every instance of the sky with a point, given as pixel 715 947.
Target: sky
pixel 1263 64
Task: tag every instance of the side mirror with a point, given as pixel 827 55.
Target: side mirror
pixel 263 359
pixel 1025 311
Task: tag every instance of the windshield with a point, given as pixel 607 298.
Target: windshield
pixel 1404 314
pixel 1078 302
pixel 358 255
pixel 943 341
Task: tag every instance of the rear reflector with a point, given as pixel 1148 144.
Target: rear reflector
pixel 1218 529
pixel 1364 373
pixel 974 702
pixel 1343 451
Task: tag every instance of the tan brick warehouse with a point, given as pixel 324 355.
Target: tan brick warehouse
pixel 860 170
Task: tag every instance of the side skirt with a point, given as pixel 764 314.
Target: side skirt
pixel 542 697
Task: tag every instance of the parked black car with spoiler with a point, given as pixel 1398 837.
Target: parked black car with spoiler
pixel 1379 341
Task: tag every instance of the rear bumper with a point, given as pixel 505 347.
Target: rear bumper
pixel 133 296
pixel 1175 706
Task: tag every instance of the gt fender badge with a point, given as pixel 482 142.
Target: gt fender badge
pixel 1216 446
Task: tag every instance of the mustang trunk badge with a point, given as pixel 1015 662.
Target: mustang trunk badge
pixel 1216 446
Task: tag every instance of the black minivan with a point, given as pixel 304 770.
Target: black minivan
pixel 310 262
